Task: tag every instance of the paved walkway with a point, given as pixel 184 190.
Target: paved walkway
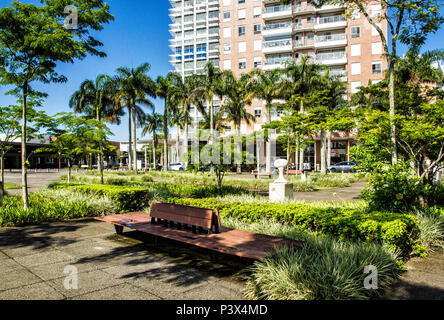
pixel 36 181
pixel 110 267
pixel 351 193
pixel 424 280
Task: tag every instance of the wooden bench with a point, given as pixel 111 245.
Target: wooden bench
pixel 198 227
pixel 261 175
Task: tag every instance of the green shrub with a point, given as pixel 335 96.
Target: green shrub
pixel 393 189
pixel 398 231
pixel 128 198
pixel 431 226
pixel 54 205
pixel 324 269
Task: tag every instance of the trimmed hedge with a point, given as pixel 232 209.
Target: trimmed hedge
pixel 398 231
pixel 127 198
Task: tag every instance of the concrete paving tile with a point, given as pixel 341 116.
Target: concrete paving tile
pixel 16 279
pixel 37 291
pixel 209 292
pixel 48 257
pixel 57 270
pixel 120 292
pixel 8 265
pixel 87 282
pixel 3 256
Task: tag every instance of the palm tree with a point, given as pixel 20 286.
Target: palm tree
pixel 95 100
pixel 268 87
pixel 177 119
pixel 208 85
pixel 134 87
pixel 302 79
pixel 183 94
pixel 163 91
pixel 153 125
pixel 239 95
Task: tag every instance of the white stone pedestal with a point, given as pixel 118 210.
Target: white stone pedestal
pixel 280 191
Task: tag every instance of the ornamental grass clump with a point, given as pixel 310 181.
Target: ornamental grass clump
pixel 323 269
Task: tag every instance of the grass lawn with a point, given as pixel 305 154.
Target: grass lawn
pixel 12 186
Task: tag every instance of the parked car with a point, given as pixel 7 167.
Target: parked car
pixel 176 166
pixel 343 167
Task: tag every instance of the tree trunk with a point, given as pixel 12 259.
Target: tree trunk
pixel 177 143
pixel 328 154
pixel 24 155
pixel 2 183
pixel 165 139
pixel 154 155
pixel 211 125
pixel 185 143
pixel 135 142
pixel 130 149
pixel 394 150
pixel 296 156
pixel 268 143
pixel 69 170
pixel 323 152
pixel 239 166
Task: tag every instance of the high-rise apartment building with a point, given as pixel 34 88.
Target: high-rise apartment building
pixel 240 35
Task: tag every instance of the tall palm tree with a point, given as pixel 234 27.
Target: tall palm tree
pixel 153 125
pixel 134 87
pixel 184 92
pixel 239 95
pixel 208 85
pixel 302 79
pixel 95 100
pixel 163 91
pixel 268 87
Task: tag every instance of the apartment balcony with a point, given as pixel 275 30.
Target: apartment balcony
pixel 277 46
pixel 303 27
pixel 277 12
pixel 273 66
pixel 330 8
pixel 303 44
pixel 331 23
pixel 278 29
pixel 332 59
pixel 331 41
pixel 299 10
pixel 342 74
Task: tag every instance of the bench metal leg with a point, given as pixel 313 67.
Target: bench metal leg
pixel 119 229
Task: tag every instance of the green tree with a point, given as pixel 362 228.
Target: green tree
pixel 153 125
pixel 163 91
pixel 410 22
pixel 95 99
pixel 268 86
pixel 184 93
pixel 134 88
pixel 9 131
pixel 33 39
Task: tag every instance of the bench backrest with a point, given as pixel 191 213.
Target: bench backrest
pixel 207 219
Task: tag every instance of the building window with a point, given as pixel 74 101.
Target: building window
pixel 377 67
pixel 356 68
pixel 242 46
pixel 227 32
pixel 257 45
pixel 257 113
pixel 227 16
pixel 355 32
pixel 257 12
pixel 227 48
pixel 257 28
pixel 227 64
pixel 241 14
pixel 377 48
pixel 241 1
pixel 257 62
pixel 242 64
pixel 241 31
pixel 355 86
pixel 355 50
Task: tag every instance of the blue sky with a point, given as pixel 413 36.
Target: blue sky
pixel 138 34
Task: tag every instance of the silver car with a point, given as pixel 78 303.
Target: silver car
pixel 343 167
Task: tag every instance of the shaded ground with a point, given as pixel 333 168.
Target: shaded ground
pixel 424 280
pixel 110 267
